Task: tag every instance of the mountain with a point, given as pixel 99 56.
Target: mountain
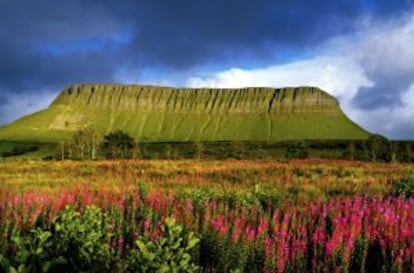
pixel 152 113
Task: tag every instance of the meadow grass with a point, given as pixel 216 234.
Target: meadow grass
pixel 240 216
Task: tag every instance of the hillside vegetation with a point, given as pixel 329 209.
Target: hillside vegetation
pixel 162 114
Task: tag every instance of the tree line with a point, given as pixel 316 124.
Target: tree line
pixel 88 144
pixel 379 149
pixel 376 148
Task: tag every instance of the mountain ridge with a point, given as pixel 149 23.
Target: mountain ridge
pixel 98 95
pixel 155 113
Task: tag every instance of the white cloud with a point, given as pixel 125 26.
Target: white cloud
pixel 340 76
pixel 343 66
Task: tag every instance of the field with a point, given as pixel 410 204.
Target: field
pixel 206 216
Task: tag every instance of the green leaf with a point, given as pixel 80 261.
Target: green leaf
pixel 192 243
pixel 12 270
pixel 141 246
pixel 46 267
pixel 169 222
pixel 176 245
pixel 21 268
pixel 39 251
pixel 163 268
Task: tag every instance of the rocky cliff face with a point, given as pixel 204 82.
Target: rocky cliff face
pixel 151 113
pixel 245 100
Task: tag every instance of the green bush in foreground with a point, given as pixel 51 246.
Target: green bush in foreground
pixel 32 252
pixel 171 253
pixel 81 242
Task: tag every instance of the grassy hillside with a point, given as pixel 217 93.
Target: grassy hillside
pixel 155 114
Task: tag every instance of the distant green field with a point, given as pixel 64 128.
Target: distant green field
pixel 161 114
pixel 25 150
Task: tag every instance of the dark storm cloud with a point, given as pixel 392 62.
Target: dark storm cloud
pixel 165 33
pixel 49 44
pixel 191 32
pixel 386 92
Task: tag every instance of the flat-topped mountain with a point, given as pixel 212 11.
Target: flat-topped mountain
pixel 152 113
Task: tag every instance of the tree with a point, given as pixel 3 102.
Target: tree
pixel 349 152
pixel 136 151
pixel 62 150
pixel 171 152
pixel 198 149
pixel 407 157
pixel 379 147
pixel 79 140
pixel 237 149
pixel 118 145
pixel 394 151
pixel 297 150
pixel 93 143
pixel 82 145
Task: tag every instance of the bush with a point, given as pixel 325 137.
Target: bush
pixel 20 150
pixel 75 243
pixel 81 242
pixel 118 144
pixel 297 150
pixel 404 186
pixel 32 252
pixel 170 253
pixel 379 148
pixel 81 237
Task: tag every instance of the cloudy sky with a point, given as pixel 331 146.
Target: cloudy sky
pixel 360 51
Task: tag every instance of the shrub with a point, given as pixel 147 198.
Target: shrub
pixel 297 150
pixel 379 148
pixel 169 253
pixel 404 186
pixel 82 238
pixel 31 252
pixel 118 144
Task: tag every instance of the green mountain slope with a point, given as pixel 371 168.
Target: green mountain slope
pixel 152 113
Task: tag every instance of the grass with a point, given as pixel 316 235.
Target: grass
pixel 298 179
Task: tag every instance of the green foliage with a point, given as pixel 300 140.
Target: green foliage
pixel 20 150
pixel 297 150
pixel 81 237
pixel 31 253
pixel 80 242
pixel 379 148
pixel 118 144
pixel 260 154
pixel 11 150
pixel 171 152
pixel 218 254
pixel 169 253
pixel 238 149
pixel 83 144
pixel 198 149
pixel 404 186
pixel 350 151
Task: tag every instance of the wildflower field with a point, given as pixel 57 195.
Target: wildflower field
pixel 206 216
